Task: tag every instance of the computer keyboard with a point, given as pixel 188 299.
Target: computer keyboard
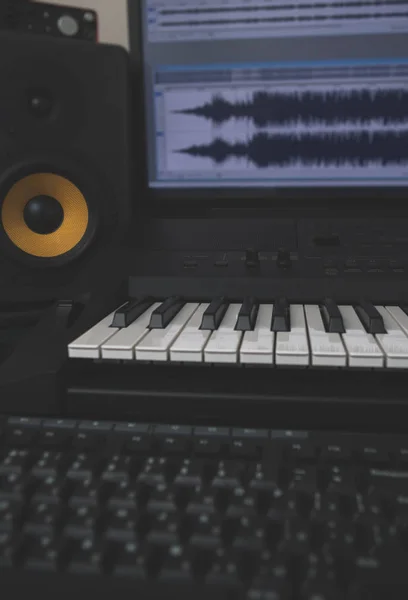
pixel 235 513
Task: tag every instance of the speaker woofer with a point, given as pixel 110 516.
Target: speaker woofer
pixel 47 216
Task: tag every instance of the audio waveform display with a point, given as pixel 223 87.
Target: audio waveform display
pixel 265 108
pixel 315 150
pixel 343 129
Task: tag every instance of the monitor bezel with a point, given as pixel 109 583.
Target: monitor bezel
pixel 194 201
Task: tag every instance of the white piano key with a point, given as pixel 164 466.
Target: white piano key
pixel 361 347
pixel 190 344
pixel 223 345
pixel 394 342
pixel 327 349
pixel 88 345
pixel 121 345
pixel 292 348
pixel 156 344
pixel 257 345
pixel 400 316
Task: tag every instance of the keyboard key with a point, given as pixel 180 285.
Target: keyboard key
pixel 172 446
pixel 207 447
pixel 212 432
pixel 292 348
pixel 10 545
pixel 121 345
pixel 86 557
pixel 370 317
pixel 81 522
pixel 206 531
pixel 14 487
pixel 86 492
pixel 271 587
pixel 43 519
pixel 42 554
pixel 122 525
pixel 327 348
pixel 85 466
pixel 164 529
pixel 332 317
pixel 124 494
pixel 173 430
pixel 162 500
pixel 244 449
pixel 54 438
pixel 119 468
pixel 20 437
pixel 213 314
pixel 301 452
pixel 393 342
pixel 157 343
pixel 400 317
pixel 165 313
pixel 189 345
pixel 281 316
pixel 392 480
pixel 129 560
pixel 373 455
pixel 201 502
pixel 241 504
pixel 85 441
pixel 138 444
pixel 88 345
pixel 49 464
pixel 247 315
pixel 224 574
pixel 336 453
pixel 257 345
pixel 230 474
pixel 176 567
pixel 11 512
pixel 362 348
pixel 223 345
pixel 129 312
pixel 15 461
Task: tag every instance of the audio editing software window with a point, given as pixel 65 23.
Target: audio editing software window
pixel 276 92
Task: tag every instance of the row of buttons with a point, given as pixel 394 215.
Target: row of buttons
pixel 159 429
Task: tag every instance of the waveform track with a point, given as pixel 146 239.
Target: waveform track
pixel 360 149
pixel 278 108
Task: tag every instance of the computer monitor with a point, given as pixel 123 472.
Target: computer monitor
pixel 276 93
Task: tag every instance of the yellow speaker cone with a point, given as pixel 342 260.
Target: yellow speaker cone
pixel 74 222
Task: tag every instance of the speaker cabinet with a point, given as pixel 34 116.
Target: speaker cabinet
pixel 65 154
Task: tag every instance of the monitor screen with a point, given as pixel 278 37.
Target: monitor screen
pixel 276 93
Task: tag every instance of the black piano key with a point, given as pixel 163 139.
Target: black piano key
pixel 370 317
pixel 165 313
pixel 214 314
pixel 132 310
pixel 247 315
pixel 280 315
pixel 332 319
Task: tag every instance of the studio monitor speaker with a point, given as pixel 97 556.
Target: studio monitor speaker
pixel 65 150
